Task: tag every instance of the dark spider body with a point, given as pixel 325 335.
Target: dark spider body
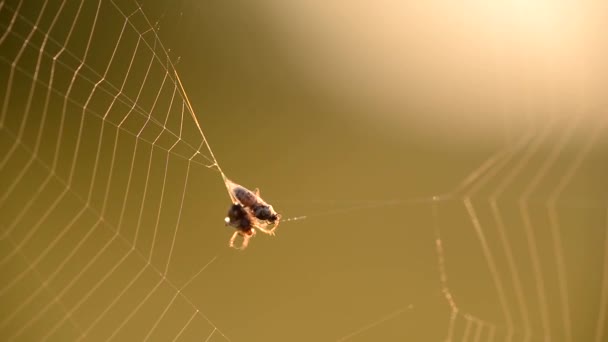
pixel 239 218
pixel 243 221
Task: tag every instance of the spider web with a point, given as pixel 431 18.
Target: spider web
pixel 111 122
pixel 104 165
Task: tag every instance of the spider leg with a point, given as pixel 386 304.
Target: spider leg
pixel 276 224
pixel 265 230
pixel 274 227
pixel 245 241
pixel 256 191
pixel 231 243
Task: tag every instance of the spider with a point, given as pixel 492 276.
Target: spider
pixel 244 222
pixel 251 200
pixel 241 219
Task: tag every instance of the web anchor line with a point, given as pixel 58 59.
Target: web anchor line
pixel 206 143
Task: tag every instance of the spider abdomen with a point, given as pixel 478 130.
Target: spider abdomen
pixel 239 218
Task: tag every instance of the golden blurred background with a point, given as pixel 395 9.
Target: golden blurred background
pixel 445 162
